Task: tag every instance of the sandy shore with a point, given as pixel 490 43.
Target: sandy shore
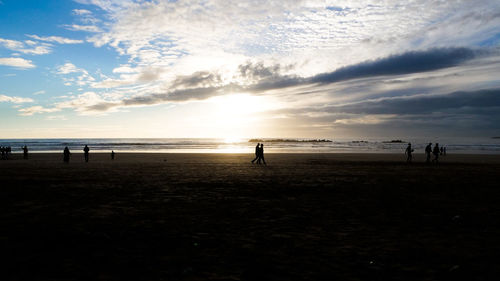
pixel 218 217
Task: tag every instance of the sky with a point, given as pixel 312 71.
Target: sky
pixel 249 68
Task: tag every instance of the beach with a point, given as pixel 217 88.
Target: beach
pixel 178 216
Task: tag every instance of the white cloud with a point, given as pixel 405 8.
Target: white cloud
pixel 4 98
pixel 17 62
pixel 68 68
pixel 11 44
pixel 81 12
pixel 87 28
pixel 125 69
pixel 36 109
pixel 19 46
pixel 39 92
pixel 55 39
pixel 79 104
pixel 84 78
pixel 38 50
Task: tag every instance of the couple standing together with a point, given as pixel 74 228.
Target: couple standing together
pixel 259 153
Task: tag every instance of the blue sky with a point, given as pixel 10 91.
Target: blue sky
pixel 109 68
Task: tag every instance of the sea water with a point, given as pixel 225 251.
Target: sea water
pixel 295 145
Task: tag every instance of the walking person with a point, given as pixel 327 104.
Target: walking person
pixel 112 155
pixel 428 151
pixel 257 149
pixel 408 153
pixel 261 154
pixel 435 151
pixel 25 152
pixel 86 152
pixel 66 154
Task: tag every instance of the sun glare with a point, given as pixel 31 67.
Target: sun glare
pixel 232 140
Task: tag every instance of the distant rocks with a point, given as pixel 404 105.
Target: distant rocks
pixel 288 140
pixel 393 141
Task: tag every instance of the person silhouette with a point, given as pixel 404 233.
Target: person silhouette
pixel 25 152
pixel 408 153
pixel 435 151
pixel 261 154
pixel 86 152
pixel 112 155
pixel 428 151
pixel 66 154
pixel 444 151
pixel 257 149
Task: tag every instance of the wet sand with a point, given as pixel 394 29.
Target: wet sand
pixel 218 217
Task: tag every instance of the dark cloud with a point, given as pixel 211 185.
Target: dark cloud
pixel 475 102
pixel 406 63
pixel 257 71
pixel 197 79
pixel 178 95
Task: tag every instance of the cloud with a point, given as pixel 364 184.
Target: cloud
pixel 261 78
pixel 409 62
pixel 68 68
pixel 19 46
pixel 4 98
pixel 86 28
pixel 39 92
pixel 201 79
pixel 17 62
pixel 405 63
pixel 36 109
pixel 81 12
pixel 38 50
pixel 55 39
pixel 474 101
pixel 125 69
pixel 79 103
pixel 11 44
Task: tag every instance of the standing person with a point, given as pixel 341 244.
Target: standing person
pixel 257 149
pixel 25 152
pixel 86 152
pixel 66 154
pixel 112 155
pixel 428 151
pixel 261 154
pixel 436 153
pixel 408 153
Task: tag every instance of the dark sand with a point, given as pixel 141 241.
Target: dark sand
pixel 218 217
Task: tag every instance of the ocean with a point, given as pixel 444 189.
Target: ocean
pixel 211 145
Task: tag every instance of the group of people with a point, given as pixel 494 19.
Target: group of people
pixel 86 149
pixel 436 151
pixel 259 154
pixel 6 150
